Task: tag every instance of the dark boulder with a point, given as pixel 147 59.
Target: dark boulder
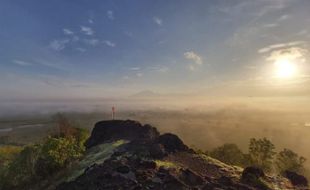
pixel 111 130
pixel 171 143
pixel 253 176
pixel 252 171
pixel 296 179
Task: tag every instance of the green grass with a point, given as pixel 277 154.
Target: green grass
pixel 166 164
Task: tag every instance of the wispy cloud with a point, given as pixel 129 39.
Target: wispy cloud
pixel 68 31
pixel 134 68
pixel 270 25
pixel 92 42
pixel 87 30
pixel 81 49
pixel 59 45
pixel 90 21
pixel 109 43
pixel 190 55
pixel 22 63
pixel 159 68
pixel 284 17
pixel 110 15
pixel 191 67
pixel 158 21
pixel 281 45
pixel 294 54
pixel 139 74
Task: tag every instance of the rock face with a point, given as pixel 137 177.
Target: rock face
pixel 112 130
pixel 296 179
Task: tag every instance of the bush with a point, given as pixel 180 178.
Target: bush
pixel 37 162
pixel 61 150
pixel 8 153
pixel 289 160
pixel 20 170
pixel 229 154
pixel 261 153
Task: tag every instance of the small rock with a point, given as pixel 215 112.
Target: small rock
pixel 123 169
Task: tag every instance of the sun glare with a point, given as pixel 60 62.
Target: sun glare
pixel 285 68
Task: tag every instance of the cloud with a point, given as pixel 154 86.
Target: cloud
pixel 75 38
pixel 81 49
pixel 135 68
pixel 59 45
pixel 87 30
pixel 109 43
pixel 67 31
pixel 158 21
pixel 90 21
pixel 192 67
pixel 190 55
pixel 92 42
pixel 294 54
pixel 125 77
pixel 278 46
pixel 139 74
pixel 159 68
pixel 110 15
pixel 22 63
pixel 284 17
pixel 270 25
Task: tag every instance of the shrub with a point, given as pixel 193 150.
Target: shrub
pixel 229 154
pixel 20 170
pixel 289 160
pixel 57 153
pixel 8 153
pixel 261 153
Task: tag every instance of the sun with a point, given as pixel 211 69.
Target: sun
pixel 285 68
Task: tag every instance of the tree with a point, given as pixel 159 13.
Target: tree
pixel 261 152
pixel 289 160
pixel 229 154
pixel 63 126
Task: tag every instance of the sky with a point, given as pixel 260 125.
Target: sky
pixel 94 49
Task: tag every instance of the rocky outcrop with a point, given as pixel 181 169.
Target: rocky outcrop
pixel 161 162
pixel 111 130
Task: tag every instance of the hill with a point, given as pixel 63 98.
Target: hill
pixel 124 154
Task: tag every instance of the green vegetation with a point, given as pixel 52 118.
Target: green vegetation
pixel 261 154
pixel 230 153
pixel 7 153
pixel 289 160
pixel 22 167
pixel 166 164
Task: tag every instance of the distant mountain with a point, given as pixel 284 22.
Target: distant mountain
pixel 145 94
